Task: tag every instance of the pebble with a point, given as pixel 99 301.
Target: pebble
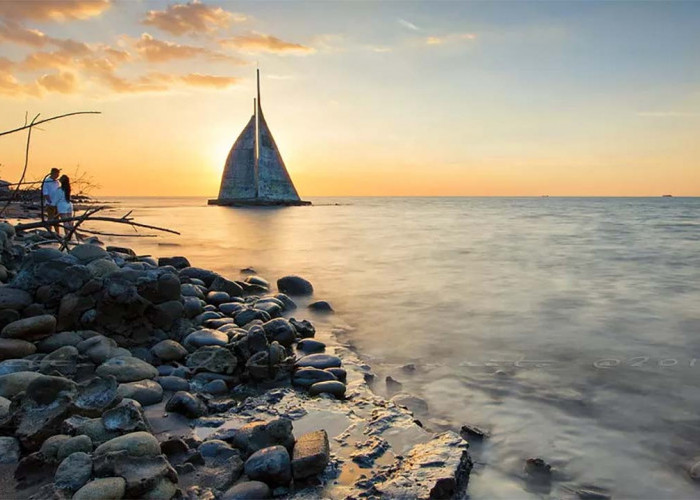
pixel 169 350
pixel 171 383
pixel 270 465
pixel 319 361
pixel 137 444
pixel 73 445
pixel 106 488
pixel 310 346
pixel 206 337
pixel 295 285
pixel 15 348
pixel 127 369
pixel 311 454
pixel 73 472
pixel 34 328
pixel 147 392
pixel 186 404
pixel 334 387
pixel 321 306
pixel 248 490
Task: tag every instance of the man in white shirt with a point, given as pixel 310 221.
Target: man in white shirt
pixel 49 188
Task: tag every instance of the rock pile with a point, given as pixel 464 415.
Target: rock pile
pixel 91 337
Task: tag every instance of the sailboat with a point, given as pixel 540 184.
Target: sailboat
pixel 254 173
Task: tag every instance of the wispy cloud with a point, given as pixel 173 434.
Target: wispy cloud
pixel 192 18
pixel 259 42
pixel 52 10
pixel 154 50
pixel 408 24
pixel 451 38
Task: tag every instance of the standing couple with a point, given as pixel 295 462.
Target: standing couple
pixel 56 193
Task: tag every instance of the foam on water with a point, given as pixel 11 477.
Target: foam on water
pixel 568 327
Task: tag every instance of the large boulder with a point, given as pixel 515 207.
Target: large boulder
pixel 311 454
pixel 270 465
pixel 127 369
pixel 15 348
pixel 295 285
pixel 34 328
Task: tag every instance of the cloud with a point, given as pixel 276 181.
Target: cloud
pixel 154 50
pixel 158 82
pixel 454 37
pixel 65 83
pixel 199 80
pixel 191 18
pixel 14 32
pixel 53 10
pixel 408 24
pixel 258 42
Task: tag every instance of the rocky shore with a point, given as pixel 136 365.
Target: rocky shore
pixel 124 376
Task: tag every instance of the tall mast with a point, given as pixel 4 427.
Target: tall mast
pixel 256 152
pixel 258 111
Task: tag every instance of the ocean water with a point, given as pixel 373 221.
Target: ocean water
pixel 567 327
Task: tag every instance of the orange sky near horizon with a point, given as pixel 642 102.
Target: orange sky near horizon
pixel 459 100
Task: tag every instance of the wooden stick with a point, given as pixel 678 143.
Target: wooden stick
pixel 36 225
pixel 34 124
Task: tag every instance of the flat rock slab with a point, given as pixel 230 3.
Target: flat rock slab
pixel 126 369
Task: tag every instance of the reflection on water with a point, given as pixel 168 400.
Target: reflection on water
pixel 566 327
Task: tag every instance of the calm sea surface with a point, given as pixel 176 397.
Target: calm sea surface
pixel 567 327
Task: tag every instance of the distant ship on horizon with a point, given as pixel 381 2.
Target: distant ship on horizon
pixel 254 173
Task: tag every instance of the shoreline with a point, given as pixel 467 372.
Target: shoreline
pixel 242 360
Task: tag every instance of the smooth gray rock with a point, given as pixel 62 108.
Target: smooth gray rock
pixel 96 395
pixel 171 383
pixel 306 377
pixel 222 284
pixel 127 416
pixel 186 404
pixel 73 472
pixel 34 328
pixel 73 445
pixel 18 365
pixel 212 359
pixel 258 435
pixel 50 447
pixel 270 465
pixel 295 285
pixel 304 328
pixel 106 488
pixel 319 361
pixel 169 350
pixel 58 340
pixel 88 253
pixel 135 444
pixel 147 392
pixel 216 387
pixel 14 298
pixel 310 346
pixel 280 330
pixel 321 306
pixel 334 387
pixel 14 383
pixel 63 360
pixel 9 450
pixel 217 298
pixel 248 490
pixel 205 337
pixel 15 348
pixel 311 454
pixel 127 369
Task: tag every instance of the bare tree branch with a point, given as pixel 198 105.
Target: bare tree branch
pixel 33 124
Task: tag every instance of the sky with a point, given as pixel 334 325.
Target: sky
pixel 364 98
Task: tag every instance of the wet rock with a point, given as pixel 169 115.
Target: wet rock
pixel 393 385
pixel 102 267
pixel 306 377
pixel 294 285
pixel 270 306
pixel 202 274
pixel 217 298
pixel 95 429
pixel 311 346
pixel 59 340
pixel 9 450
pixel 177 262
pixel 190 290
pixel 216 387
pixel 339 373
pixel 415 404
pixel 169 350
pixel 63 360
pixel 147 392
pixel 34 328
pixel 334 387
pixel 164 315
pixel 171 383
pixel 303 328
pixel 127 369
pixel 472 433
pixel 186 404
pixel 321 306
pixel 163 490
pixel 14 298
pixel 270 465
pixel 98 348
pixel 221 284
pixel 538 471
pixel 97 395
pixel 369 451
pixel 127 416
pixel 73 472
pixel 212 359
pixel 280 330
pixel 192 306
pixel 231 308
pixel 438 468
pixel 319 361
pixel 50 447
pixel 106 488
pixel 73 445
pixel 136 444
pixel 14 383
pixel 258 435
pixel 248 490
pixel 257 280
pixel 218 323
pixel 311 454
pixel 245 316
pixel 15 348
pixel 143 473
pixel 205 337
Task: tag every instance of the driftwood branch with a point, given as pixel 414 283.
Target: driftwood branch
pixel 48 223
pixel 26 163
pixel 34 124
